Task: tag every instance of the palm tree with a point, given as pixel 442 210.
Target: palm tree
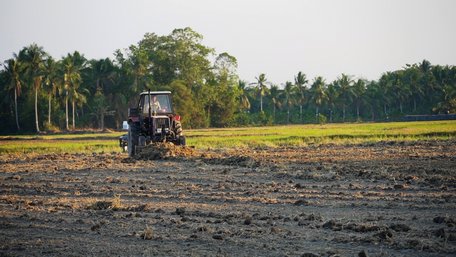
pixel 318 94
pixel 448 103
pixel 102 75
pixel 261 83
pixel 359 89
pixel 383 88
pixel 73 65
pixel 411 77
pixel 118 103
pixel 52 80
pixel 345 91
pixel 300 82
pixel 332 95
pixel 13 70
pixel 32 57
pixel 400 88
pixel 373 98
pixel 77 98
pixel 103 72
pixel 274 93
pixel 426 79
pixel 243 96
pixel 288 92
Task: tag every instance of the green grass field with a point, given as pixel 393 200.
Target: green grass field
pixel 272 136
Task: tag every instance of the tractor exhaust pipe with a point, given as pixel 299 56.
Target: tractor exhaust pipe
pixel 150 114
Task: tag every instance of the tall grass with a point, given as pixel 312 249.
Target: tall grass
pixel 272 136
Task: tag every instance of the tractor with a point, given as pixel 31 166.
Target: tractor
pixel 152 121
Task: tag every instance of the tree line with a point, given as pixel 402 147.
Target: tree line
pixel 40 93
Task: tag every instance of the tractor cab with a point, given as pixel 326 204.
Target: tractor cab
pixel 155 102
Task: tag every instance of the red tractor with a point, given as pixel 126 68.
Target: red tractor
pixel 153 120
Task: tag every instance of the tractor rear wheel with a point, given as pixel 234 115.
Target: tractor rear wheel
pixel 178 128
pixel 132 140
pixel 179 134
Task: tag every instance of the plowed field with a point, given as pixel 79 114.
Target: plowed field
pixel 381 199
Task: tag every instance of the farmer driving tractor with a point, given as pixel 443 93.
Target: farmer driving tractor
pixel 155 106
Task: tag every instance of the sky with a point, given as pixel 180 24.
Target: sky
pixel 361 38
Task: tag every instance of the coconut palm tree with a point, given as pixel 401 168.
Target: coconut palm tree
pixel 411 77
pixel 288 92
pixel 13 69
pixel 78 98
pixel 33 57
pixel 345 88
pixel 373 98
pixel 73 64
pixel 52 80
pixel 359 89
pixel 104 74
pixel 332 95
pixel 401 91
pixel 318 93
pixel 243 96
pixel 261 84
pixel 274 94
pixel 383 88
pixel 300 82
pixel 427 80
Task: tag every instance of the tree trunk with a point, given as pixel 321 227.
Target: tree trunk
pixel 414 105
pixel 274 114
pixel 261 102
pixel 357 111
pixel 316 114
pixel 118 124
pixel 66 111
pixel 400 106
pixel 330 115
pixel 300 113
pixel 73 115
pixel 288 115
pixel 102 121
pixel 36 110
pixel 15 109
pixel 49 110
pixel 384 109
pixel 343 113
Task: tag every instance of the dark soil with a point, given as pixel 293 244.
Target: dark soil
pixel 383 199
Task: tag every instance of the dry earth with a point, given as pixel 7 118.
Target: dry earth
pixel 384 199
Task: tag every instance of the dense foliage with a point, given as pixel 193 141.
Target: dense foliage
pixel 42 93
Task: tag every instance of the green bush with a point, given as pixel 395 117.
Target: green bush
pixel 321 119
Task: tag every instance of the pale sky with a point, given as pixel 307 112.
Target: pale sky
pixel 325 38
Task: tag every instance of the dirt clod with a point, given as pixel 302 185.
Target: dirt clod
pixel 217 237
pixel 400 227
pixel 180 211
pixel 147 234
pixel 385 235
pixel 101 205
pixel 310 255
pixel 160 151
pixel 95 227
pixel 363 253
